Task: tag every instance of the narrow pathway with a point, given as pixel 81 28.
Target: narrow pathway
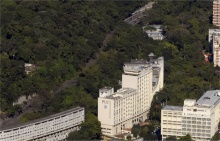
pixel 97 55
pixel 67 84
pixel 72 82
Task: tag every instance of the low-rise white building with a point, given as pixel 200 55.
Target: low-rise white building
pixel 156 32
pixel 199 119
pixel 29 67
pixel 54 127
pixel 130 104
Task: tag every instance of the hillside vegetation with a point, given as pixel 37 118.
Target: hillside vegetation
pixel 61 36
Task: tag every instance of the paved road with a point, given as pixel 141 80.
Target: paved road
pixel 138 14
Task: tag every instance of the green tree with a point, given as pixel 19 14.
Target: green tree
pixel 91 128
pixel 74 136
pixel 128 138
pixel 171 138
pixel 216 137
pixel 144 132
pixel 186 138
pixel 136 129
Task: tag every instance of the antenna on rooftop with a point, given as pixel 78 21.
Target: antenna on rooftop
pixel 151 56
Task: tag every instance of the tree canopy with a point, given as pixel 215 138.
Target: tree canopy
pixel 61 36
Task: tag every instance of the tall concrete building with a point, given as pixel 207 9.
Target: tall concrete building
pixel 216 12
pixel 130 104
pixel 214 39
pixel 199 118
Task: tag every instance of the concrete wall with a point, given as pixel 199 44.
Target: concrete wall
pixel 129 81
pixel 106 111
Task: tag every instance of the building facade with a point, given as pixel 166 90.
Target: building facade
pixel 214 39
pixel 213 32
pixel 199 119
pixel 216 12
pixel 130 104
pixel 54 127
pixel 216 50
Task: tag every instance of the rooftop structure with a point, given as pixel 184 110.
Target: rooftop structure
pixel 122 93
pixel 131 103
pixel 210 98
pixel 106 91
pixel 175 108
pixel 199 118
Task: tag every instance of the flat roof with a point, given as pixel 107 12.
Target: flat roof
pixel 123 92
pixel 155 26
pixel 8 127
pixel 210 98
pixel 174 108
pixel 142 61
pixel 190 99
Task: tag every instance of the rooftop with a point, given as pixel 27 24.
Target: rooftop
pixel 155 26
pixel 38 120
pixel 137 65
pixel 175 108
pixel 158 28
pixel 190 100
pixel 210 98
pixel 122 93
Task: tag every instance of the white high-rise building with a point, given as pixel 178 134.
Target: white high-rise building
pixel 130 104
pixel 199 119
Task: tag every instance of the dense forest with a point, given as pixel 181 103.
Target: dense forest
pixel 62 36
pixel 59 37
